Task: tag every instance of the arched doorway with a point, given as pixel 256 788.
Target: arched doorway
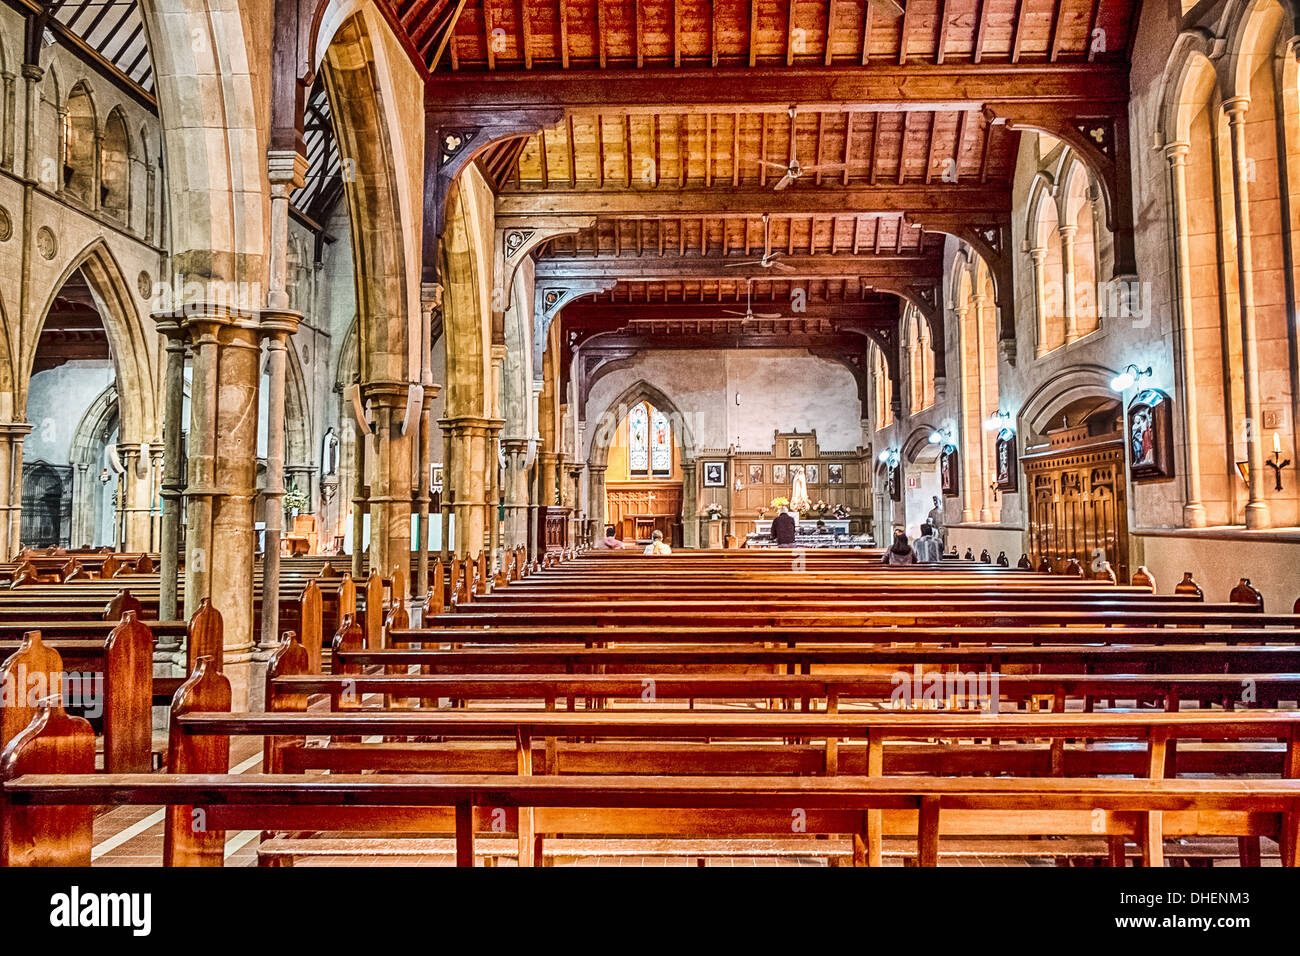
pixel 921 482
pixel 1076 485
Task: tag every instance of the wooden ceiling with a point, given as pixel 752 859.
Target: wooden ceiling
pixel 666 174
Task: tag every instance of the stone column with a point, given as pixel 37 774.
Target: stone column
pixel 155 478
pixel 597 506
pixel 444 497
pixel 360 502
pixel 423 495
pixel 1037 256
pixel 7 149
pixel 276 327
pixel 173 481
pixel 1193 509
pixel 690 504
pixel 6 469
pixel 390 489
pixel 17 432
pixel 1067 233
pixel 516 491
pixel 286 171
pixel 534 497
pixel 492 474
pixel 466 479
pixel 1257 513
pixel 222 454
pixel 979 301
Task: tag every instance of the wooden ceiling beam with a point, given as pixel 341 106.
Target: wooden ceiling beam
pixel 885 200
pixel 631 269
pixel 919 87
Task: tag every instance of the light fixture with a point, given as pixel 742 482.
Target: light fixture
pixel 889 457
pixel 999 420
pixel 943 436
pixel 1129 377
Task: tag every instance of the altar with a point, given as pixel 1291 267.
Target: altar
pixel 807 526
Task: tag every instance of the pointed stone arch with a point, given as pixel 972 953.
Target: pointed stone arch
pixel 602 432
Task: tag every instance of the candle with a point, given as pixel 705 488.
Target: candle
pixel 1277 445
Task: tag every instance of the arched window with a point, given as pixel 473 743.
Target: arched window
pixel 881 387
pixel 115 167
pixel 79 145
pixel 1049 276
pixel 1080 229
pixel 978 322
pixel 649 442
pixel 920 357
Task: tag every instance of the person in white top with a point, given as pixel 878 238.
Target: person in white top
pixel 927 548
pixel 656 545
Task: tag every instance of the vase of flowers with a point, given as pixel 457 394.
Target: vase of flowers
pixel 780 502
pixel 821 507
pixel 840 511
pixel 714 511
pixel 294 501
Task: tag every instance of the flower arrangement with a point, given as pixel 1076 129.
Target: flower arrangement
pixel 294 501
pixel 840 511
pixel 714 511
pixel 821 507
pixel 762 513
pixel 780 502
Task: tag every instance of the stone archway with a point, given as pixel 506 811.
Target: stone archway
pixel 93 434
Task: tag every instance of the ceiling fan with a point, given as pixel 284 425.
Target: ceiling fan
pixel 749 314
pixel 770 259
pixel 793 170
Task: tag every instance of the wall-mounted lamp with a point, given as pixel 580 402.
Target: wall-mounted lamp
pixel 1129 377
pixel 999 420
pixel 943 436
pixel 889 457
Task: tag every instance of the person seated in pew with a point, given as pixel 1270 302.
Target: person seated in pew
pixel 656 545
pixel 610 542
pixel 926 548
pixel 900 552
pixel 783 529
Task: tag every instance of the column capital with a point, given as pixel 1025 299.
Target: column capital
pixel 286 168
pixel 1177 152
pixel 277 324
pixel 1235 107
pixel 1067 230
pixel 34 72
pixel 1037 255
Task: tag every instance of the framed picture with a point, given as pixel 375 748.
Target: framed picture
pixel 949 468
pixel 755 474
pixel 834 474
pixel 715 474
pixel 894 482
pixel 436 477
pixel 1006 461
pixel 814 475
pixel 779 476
pixel 794 447
pixel 1149 433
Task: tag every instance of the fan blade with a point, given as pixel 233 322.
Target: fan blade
pixel 786 180
pixel 733 312
pixel 771 165
pixel 767 315
pixel 824 168
pixel 746 262
pixel 780 266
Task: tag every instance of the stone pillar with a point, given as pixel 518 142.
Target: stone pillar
pixel 1067 233
pixel 173 481
pixel 222 455
pixel 1193 509
pixel 979 301
pixel 7 149
pixel 534 498
pixel 1037 256
pixel 360 502
pixel 1257 513
pixel 597 505
pixel 390 489
pixel 286 171
pixel 492 475
pixel 444 497
pixel 6 468
pixel 423 495
pixel 690 504
pixel 516 492
pixel 155 479
pixel 468 437
pixel 17 432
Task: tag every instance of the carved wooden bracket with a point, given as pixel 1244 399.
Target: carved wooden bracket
pixel 516 237
pixel 451 141
pixel 548 300
pixel 1102 141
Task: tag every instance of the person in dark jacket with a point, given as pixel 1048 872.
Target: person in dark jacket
pixel 900 552
pixel 783 529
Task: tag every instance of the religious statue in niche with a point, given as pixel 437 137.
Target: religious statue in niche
pixel 1150 426
pixel 948 469
pixel 834 474
pixel 894 481
pixel 799 491
pixel 329 458
pixel 1006 461
pixel 794 447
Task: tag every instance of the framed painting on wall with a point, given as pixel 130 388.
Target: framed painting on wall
pixel 715 474
pixel 756 474
pixel 779 475
pixel 1149 434
pixel 949 470
pixel 794 447
pixel 814 475
pixel 1006 461
pixel 834 474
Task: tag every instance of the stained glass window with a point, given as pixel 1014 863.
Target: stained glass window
pixel 638 440
pixel 661 444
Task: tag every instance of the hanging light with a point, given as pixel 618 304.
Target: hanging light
pixel 1129 377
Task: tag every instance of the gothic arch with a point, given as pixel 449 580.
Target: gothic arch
pixel 1044 405
pixel 641 391
pixel 129 343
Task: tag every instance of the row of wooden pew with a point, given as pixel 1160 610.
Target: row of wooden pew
pixel 749 703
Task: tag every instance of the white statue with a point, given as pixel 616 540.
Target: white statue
pixel 799 492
